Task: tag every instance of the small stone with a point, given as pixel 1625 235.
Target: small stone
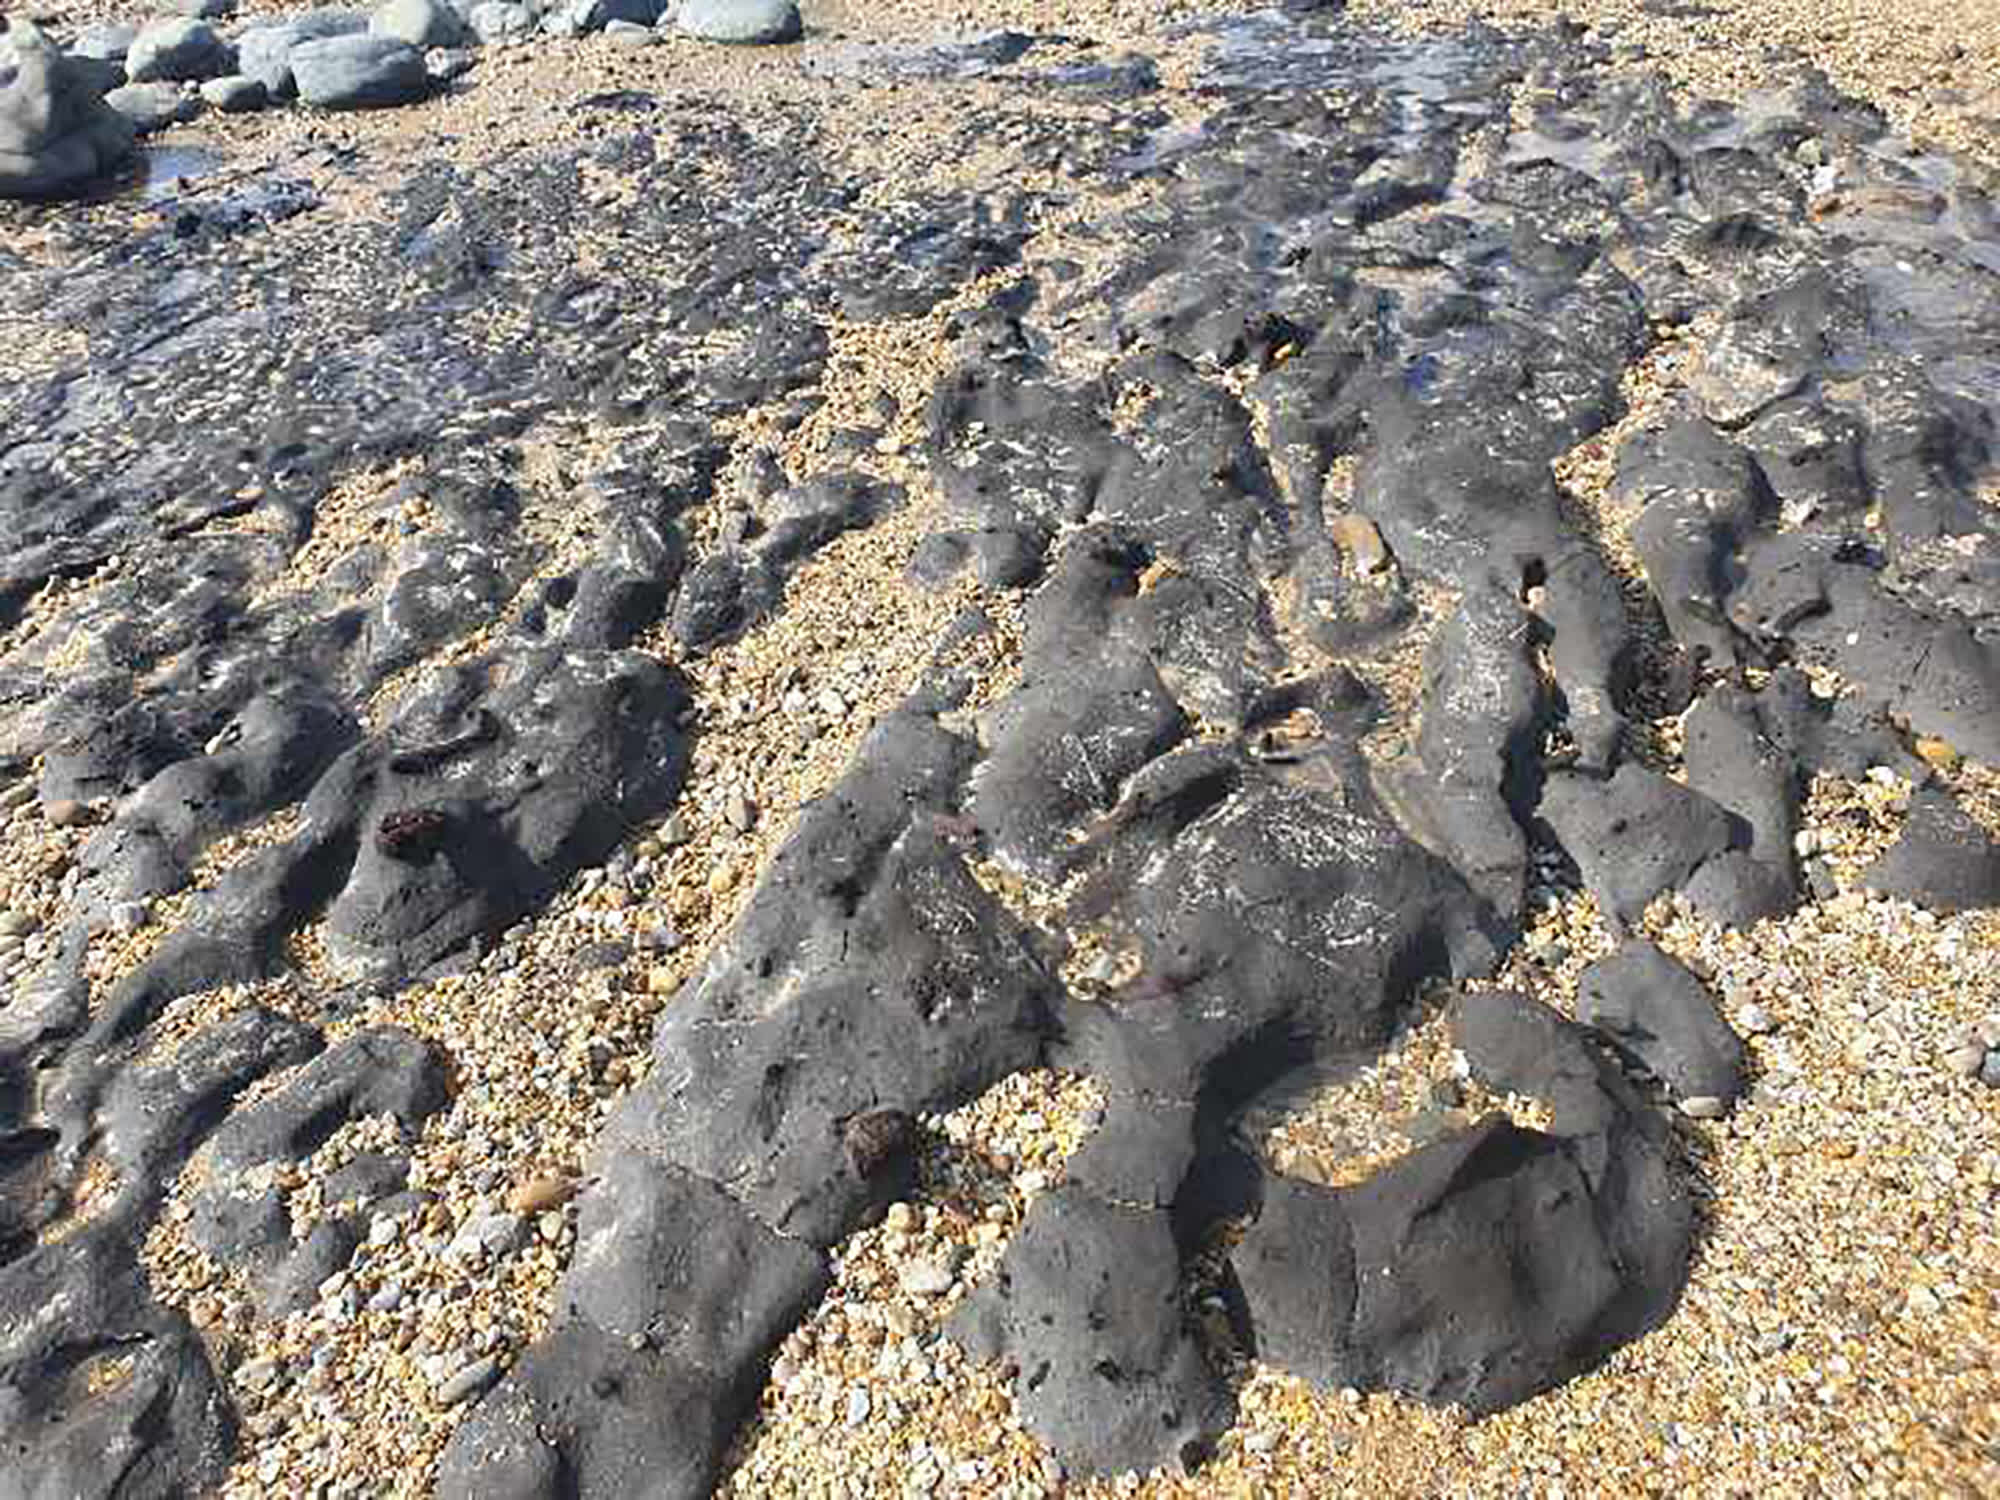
pixel 831 703
pixel 541 1193
pixel 469 1380
pixel 931 1276
pixel 387 1298
pixel 259 1374
pixel 1447 1093
pixel 900 1217
pixel 722 879
pixel 1805 843
pixel 1936 752
pixel 550 1225
pixel 1361 540
pixel 1754 1020
pixel 1262 1440
pixel 741 812
pixel 446 63
pixel 17 924
pixel 1966 1059
pixel 857 1406
pixel 1704 1107
pixel 1989 1071
pixel 1988 1031
pixel 661 981
pixel 674 832
pixel 67 812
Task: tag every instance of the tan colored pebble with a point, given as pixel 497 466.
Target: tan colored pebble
pixel 546 1191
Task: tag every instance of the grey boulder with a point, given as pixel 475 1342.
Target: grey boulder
pixel 107 43
pixel 56 132
pixel 421 23
pixel 580 16
pixel 178 50
pixel 152 107
pixel 498 21
pixel 742 22
pixel 265 52
pixel 235 94
pixel 359 72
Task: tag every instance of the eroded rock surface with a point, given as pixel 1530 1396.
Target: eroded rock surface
pixel 1293 424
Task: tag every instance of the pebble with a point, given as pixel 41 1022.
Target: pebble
pixel 741 812
pixel 722 879
pixel 20 794
pixel 16 924
pixel 1704 1107
pixel 492 1234
pixel 931 1276
pixel 1966 1059
pixel 469 1381
pixel 131 916
pixel 1361 540
pixel 1936 752
pixel 857 1406
pixel 259 1374
pixel 674 832
pixel 67 812
pixel 1103 969
pixel 1755 1020
pixel 539 1194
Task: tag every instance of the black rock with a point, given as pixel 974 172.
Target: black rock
pixel 1635 835
pixel 1943 860
pixel 1085 1305
pixel 383 1070
pixel 1661 1016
